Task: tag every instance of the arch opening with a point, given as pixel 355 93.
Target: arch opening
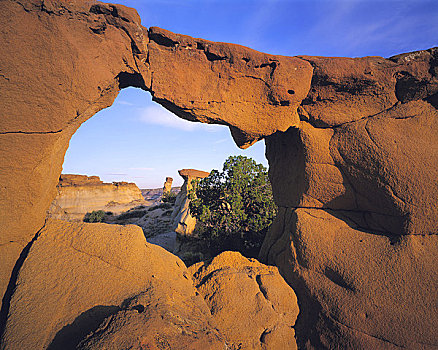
pixel 122 157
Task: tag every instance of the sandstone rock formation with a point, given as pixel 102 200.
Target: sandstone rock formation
pixel 80 194
pixel 104 287
pixel 252 305
pixel 167 185
pixel 352 147
pixel 183 222
pixel 77 275
pixel 355 185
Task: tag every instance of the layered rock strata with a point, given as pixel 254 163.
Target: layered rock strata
pixel 352 146
pixel 183 222
pixel 81 194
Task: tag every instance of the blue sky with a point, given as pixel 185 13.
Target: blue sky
pixel 137 140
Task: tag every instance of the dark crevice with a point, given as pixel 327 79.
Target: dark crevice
pixel 139 308
pixel 134 48
pixel 107 10
pixel 111 15
pixel 409 88
pixel 10 289
pixel 273 65
pixel 162 40
pixel 99 29
pixel 31 132
pixel 213 57
pixel 23 6
pixel 126 79
pixel 262 289
pixel 263 335
pixel 43 8
pixel 433 100
pixel 310 309
pixel 208 277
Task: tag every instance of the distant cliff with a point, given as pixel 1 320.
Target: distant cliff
pixel 79 194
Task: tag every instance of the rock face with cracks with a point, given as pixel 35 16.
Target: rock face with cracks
pixel 351 143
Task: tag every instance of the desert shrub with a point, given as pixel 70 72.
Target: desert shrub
pixel 160 206
pixel 168 197
pixel 94 216
pixel 235 207
pixel 131 214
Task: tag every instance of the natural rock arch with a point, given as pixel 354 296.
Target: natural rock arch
pixel 356 234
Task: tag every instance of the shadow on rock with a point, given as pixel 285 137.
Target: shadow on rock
pixel 70 336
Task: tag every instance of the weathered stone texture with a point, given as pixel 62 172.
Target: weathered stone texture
pixel 62 61
pixel 77 275
pixel 252 305
pixel 254 93
pixel 352 146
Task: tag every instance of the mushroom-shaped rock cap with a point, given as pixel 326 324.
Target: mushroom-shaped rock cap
pixel 193 173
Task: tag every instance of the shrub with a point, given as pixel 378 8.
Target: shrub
pixel 94 216
pixel 235 207
pixel 168 197
pixel 160 206
pixel 131 214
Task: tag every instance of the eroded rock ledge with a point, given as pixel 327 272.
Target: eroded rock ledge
pixel 352 146
pixel 81 194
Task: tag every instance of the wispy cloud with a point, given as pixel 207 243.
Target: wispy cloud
pixel 257 21
pixel 112 174
pixel 358 27
pixel 142 169
pixel 156 115
pixel 125 103
pixel 221 141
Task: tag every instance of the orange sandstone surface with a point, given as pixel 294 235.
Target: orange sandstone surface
pixel 353 154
